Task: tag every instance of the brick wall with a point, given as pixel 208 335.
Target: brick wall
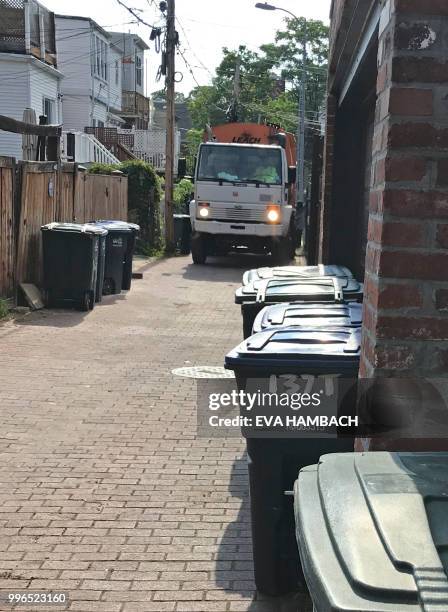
pixel 406 304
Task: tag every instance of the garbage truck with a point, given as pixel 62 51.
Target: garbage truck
pixel 244 196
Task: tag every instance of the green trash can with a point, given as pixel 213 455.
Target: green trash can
pixel 372 531
pixel 72 265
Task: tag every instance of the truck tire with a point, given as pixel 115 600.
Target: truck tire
pixel 281 251
pixel 198 249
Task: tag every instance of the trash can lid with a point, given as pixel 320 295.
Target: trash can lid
pixel 309 315
pixel 302 346
pixel 85 228
pixel 295 272
pixel 118 226
pixel 325 288
pixel 372 531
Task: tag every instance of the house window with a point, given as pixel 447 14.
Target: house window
pixel 117 72
pixel 138 70
pixel 48 107
pixel 99 58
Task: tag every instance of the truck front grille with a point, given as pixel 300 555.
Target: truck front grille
pixel 225 212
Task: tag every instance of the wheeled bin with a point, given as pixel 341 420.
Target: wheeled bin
pixel 274 461
pixel 72 264
pixel 296 272
pixel 120 245
pixel 182 233
pixel 372 531
pixel 309 315
pixel 260 293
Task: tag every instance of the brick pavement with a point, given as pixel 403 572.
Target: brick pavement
pixel 104 490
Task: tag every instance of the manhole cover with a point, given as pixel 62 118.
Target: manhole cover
pixel 203 372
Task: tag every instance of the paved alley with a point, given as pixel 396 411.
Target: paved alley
pixel 104 491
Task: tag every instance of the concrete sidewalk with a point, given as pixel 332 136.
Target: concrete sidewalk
pixel 104 490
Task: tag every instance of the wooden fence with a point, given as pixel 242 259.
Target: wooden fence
pixel 7 229
pixel 43 194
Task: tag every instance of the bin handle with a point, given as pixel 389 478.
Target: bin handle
pixel 338 289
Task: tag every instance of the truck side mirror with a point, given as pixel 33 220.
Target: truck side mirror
pixel 292 175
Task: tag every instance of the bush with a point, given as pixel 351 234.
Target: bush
pixel 183 191
pixel 144 194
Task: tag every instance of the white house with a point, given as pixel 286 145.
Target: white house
pixel 29 76
pixel 135 105
pixel 92 84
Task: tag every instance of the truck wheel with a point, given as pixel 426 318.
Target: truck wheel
pixel 281 251
pixel 198 249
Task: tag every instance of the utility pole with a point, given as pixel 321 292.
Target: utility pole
pixel 171 39
pixel 301 126
pixel 233 110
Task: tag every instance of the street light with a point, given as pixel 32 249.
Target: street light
pixel 265 6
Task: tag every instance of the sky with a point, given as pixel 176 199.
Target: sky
pixel 204 26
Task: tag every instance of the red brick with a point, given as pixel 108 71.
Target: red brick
pixel 442 235
pixel 419 70
pixel 417 328
pixel 411 135
pixel 380 171
pixel 417 204
pixel 442 172
pixel 405 168
pixel 411 101
pixel 371 290
pixel 382 78
pixel 441 299
pixel 428 7
pixel 414 264
pixel 374 230
pixel 403 234
pixel 394 358
pixel 372 258
pixel 410 36
pixel 400 296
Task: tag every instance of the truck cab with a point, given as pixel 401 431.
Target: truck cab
pixel 244 199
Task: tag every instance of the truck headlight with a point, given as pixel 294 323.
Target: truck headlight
pixel 273 214
pixel 204 210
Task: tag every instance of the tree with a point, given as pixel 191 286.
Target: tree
pixel 260 71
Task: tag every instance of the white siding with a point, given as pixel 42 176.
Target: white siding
pixel 14 89
pixel 43 85
pixel 73 47
pixel 115 65
pixel 76 112
pixel 100 112
pixel 24 83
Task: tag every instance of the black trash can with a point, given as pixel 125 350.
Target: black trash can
pixel 296 272
pixel 72 263
pixel 101 267
pixel 120 246
pixel 372 531
pixel 260 293
pixel 182 233
pixel 274 461
pixel 309 315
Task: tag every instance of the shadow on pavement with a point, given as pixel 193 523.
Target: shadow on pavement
pixel 236 546
pixel 65 316
pixel 229 268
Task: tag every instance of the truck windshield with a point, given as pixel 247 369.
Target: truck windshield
pixel 236 163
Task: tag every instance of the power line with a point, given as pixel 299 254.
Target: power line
pixel 134 14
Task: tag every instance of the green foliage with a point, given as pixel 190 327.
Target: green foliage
pixel 3 309
pixel 193 139
pixel 98 168
pixel 144 194
pixel 259 96
pixel 183 191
